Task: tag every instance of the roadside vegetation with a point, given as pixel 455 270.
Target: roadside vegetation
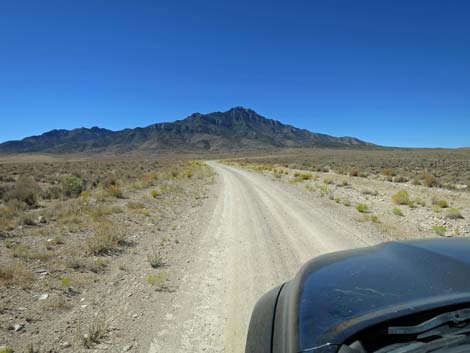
pixel 67 227
pixel 409 193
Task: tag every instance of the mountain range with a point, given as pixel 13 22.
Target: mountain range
pixel 236 129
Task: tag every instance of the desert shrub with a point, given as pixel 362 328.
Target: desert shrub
pixel 400 179
pixel 401 198
pixel 109 181
pixel 374 218
pixel 430 180
pixel 4 189
pixel 388 172
pixel 154 193
pixel 26 190
pixel 72 186
pixel 416 181
pixel 346 202
pixel 7 215
pixel 397 212
pixel 26 219
pixel 114 191
pixel 6 349
pixel 52 193
pixel 305 176
pixel 454 213
pixel 354 172
pixel 362 207
pixel 106 237
pixel 439 230
pixel 150 177
pixel 442 203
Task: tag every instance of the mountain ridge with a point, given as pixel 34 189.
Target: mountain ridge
pixel 238 128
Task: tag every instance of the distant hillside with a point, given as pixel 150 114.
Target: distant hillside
pixel 236 129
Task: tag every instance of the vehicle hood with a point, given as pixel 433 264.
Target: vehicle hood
pixel 342 293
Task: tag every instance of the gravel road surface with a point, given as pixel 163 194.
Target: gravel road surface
pixel 258 235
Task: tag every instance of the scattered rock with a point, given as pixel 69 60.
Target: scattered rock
pixel 41 271
pixel 66 344
pixel 18 327
pixel 42 220
pixel 127 348
pixel 43 296
pixel 71 291
pixel 3 235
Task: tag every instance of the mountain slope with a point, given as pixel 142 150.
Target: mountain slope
pixel 236 129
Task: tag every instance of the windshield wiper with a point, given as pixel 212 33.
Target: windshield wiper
pixel 453 317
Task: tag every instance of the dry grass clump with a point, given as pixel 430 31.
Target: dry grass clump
pixel 401 198
pixel 398 212
pixel 302 176
pixel 7 215
pixel 155 258
pixel 97 330
pixel 158 281
pixel 438 202
pixel 25 252
pixel 114 191
pixel 430 180
pixel 16 274
pixel 390 173
pixel 134 205
pixel 440 230
pixel 454 213
pixel 106 238
pixel 95 265
pixel 362 208
pixel 102 211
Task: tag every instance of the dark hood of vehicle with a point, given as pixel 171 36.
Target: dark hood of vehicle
pixel 342 293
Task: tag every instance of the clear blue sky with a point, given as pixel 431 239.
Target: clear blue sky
pixel 393 72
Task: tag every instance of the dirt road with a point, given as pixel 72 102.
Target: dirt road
pixel 258 235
